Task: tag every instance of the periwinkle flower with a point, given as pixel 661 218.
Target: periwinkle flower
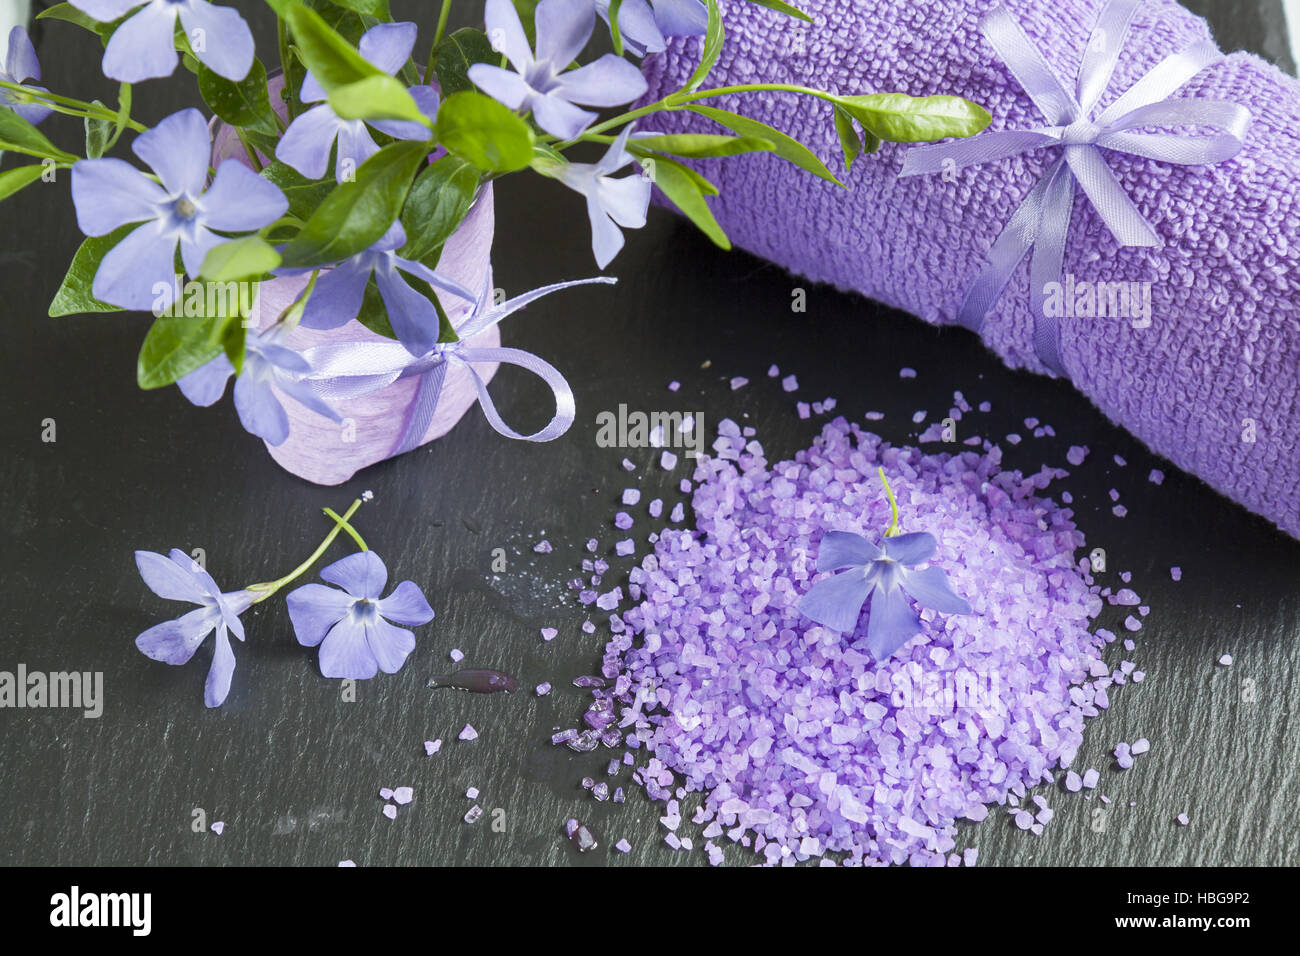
pixel 610 202
pixel 636 25
pixel 353 626
pixel 181 578
pixel 20 66
pixel 541 83
pixel 137 273
pixel 339 291
pixel 143 47
pixel 266 363
pixel 307 143
pixel 888 577
pixel 680 18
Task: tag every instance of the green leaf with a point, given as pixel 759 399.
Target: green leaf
pixel 332 60
pixel 527 10
pixel 355 214
pixel 12 180
pixel 899 118
pixel 370 8
pixel 650 164
pixel 785 8
pixel 70 14
pixel 304 195
pixel 787 147
pixel 376 98
pixel 245 104
pixel 74 295
pixel 178 344
pixel 98 132
pixel 484 133
pixel 20 136
pixel 245 258
pixel 685 193
pixel 705 145
pixel 374 314
pixel 234 343
pixel 850 142
pixel 713 37
pixel 453 57
pixel 437 204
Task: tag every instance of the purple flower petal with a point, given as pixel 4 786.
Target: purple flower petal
pixel 168 579
pixel 636 23
pixel 892 622
pixel 680 18
pixel 223 668
pixel 609 81
pixel 563 28
pixel 345 654
pixel 196 243
pixel 836 602
pixel 337 296
pixel 406 605
pixel 138 273
pixel 507 88
pixel 314 609
pixel 20 58
pixel 142 48
pixel 387 46
pixel 106 11
pixel 356 145
pixel 362 575
pixel 174 642
pixel 844 549
pixel 930 589
pixel 914 548
pixel 626 200
pixel 227 49
pixel 507 33
pixel 559 117
pixel 260 412
pixel 177 149
pixel 390 645
pixel 109 193
pixel 206 384
pixel 239 200
pixel 413 317
pixel 306 144
pixel 606 237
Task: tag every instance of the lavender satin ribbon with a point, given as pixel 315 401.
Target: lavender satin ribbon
pixel 352 369
pixel 1042 221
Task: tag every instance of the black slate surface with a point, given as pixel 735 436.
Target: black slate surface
pixel 293 770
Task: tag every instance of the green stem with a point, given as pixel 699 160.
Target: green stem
pixel 892 530
pixel 443 13
pixel 615 32
pixel 282 40
pixel 351 531
pixel 72 107
pixel 270 587
pixel 248 149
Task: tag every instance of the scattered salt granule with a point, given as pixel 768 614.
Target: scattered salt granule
pixel 625 547
pixel 543 547
pixel 390 811
pixel 631 496
pixel 1140 746
pixel 457 655
pixel 347 863
pixel 739 382
pixel 906 372
pixel 623 521
pixel 1013 439
pixel 804 409
pixel 1176 573
pixel 588 627
pixel 1119 511
pixel 472 793
pixel 678 513
pixel 469 733
pixel 773 371
pixel 543 688
pixel 473 814
pixel 656 507
pixel 1073 782
pixel 403 795
pixel 874 416
pixel 918 416
pixel 790 383
pixel 1157 477
pixel 431 747
pixel 622 845
pixel 1226 660
pixel 1123 755
pixel 628 465
pixel 1090 778
pixel 218 827
pixel 385 793
pixel 792 731
pixel 1132 623
pixel 1182 819
pixel 667 461
pixel 549 633
pixel 674 386
pixel 1076 454
pixel 1119 460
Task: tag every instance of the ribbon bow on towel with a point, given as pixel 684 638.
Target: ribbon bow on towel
pixel 1042 221
pixel 352 369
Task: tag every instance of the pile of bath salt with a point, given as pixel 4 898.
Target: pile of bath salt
pixel 800 741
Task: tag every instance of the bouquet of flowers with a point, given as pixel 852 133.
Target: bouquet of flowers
pixel 348 167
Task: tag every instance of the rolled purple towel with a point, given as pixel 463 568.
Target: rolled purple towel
pixel 1211 382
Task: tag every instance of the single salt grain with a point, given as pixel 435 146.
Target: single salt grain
pixel 431 747
pixel 218 828
pixel 739 382
pixel 918 416
pixel 623 846
pixel 543 688
pixel 874 416
pixel 804 409
pixel 625 547
pixel 588 627
pixel 674 386
pixel 631 496
pixel 678 513
pixel 1119 460
pixel 1076 454
pixel 1176 573
pixel 1226 660
pixel 906 372
pixel 1157 477
pixel 1182 819
pixel 1073 782
pixel 656 507
pixel 390 811
pixel 1140 746
pixel 1090 778
pixel 347 863
pixel 1013 439
pixel 457 655
pixel 385 793
pixel 469 733
pixel 789 383
pixel 403 795
pixel 473 814
pixel 623 521
pixel 667 461
pixel 543 547
pixel 549 633
pixel 773 372
pixel 1119 511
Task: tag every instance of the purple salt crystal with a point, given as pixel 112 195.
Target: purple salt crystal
pixel 623 846
pixel 1132 623
pixel 403 795
pixel 390 811
pixel 1157 477
pixel 1114 494
pixel 618 795
pixel 543 547
pixel 468 733
pixel 542 690
pixel 804 409
pixel 1119 511
pixel 739 382
pixel 1119 460
pixel 613 768
pixel 625 547
pixel 347 863
pixel 678 513
pixel 385 793
pixel 1176 573
pixel 592 545
pixel 585 742
pixel 918 416
pixel 986 407
pixel 589 680
pixel 906 372
pixel 1182 819
pixel 609 600
pixel 1024 819
pixel 218 827
pixel 1140 746
pixel 674 385
pixel 667 461
pixel 583 839
pixel 1073 782
pixel 472 793
pixel 588 627
pixel 628 465
pixel 473 814
pixel 549 633
pixel 457 655
pixel 874 416
pixel 1013 439
pixel 1090 778
pixel 1123 756
pixel 631 496
pixel 563 736
pixel 587 783
pixel 1226 660
pixel 431 747
pixel 1126 597
pixel 600 792
pixel 789 383
pixel 1076 454
pixel 622 521
pixel 656 507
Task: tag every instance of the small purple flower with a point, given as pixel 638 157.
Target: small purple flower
pixel 888 578
pixel 307 142
pixel 680 18
pixel 266 364
pixel 174 642
pixel 20 66
pixel 610 202
pixel 637 26
pixel 143 46
pixel 540 83
pixel 137 273
pixel 339 291
pixel 353 626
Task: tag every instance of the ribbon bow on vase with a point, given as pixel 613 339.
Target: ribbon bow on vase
pixel 1042 221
